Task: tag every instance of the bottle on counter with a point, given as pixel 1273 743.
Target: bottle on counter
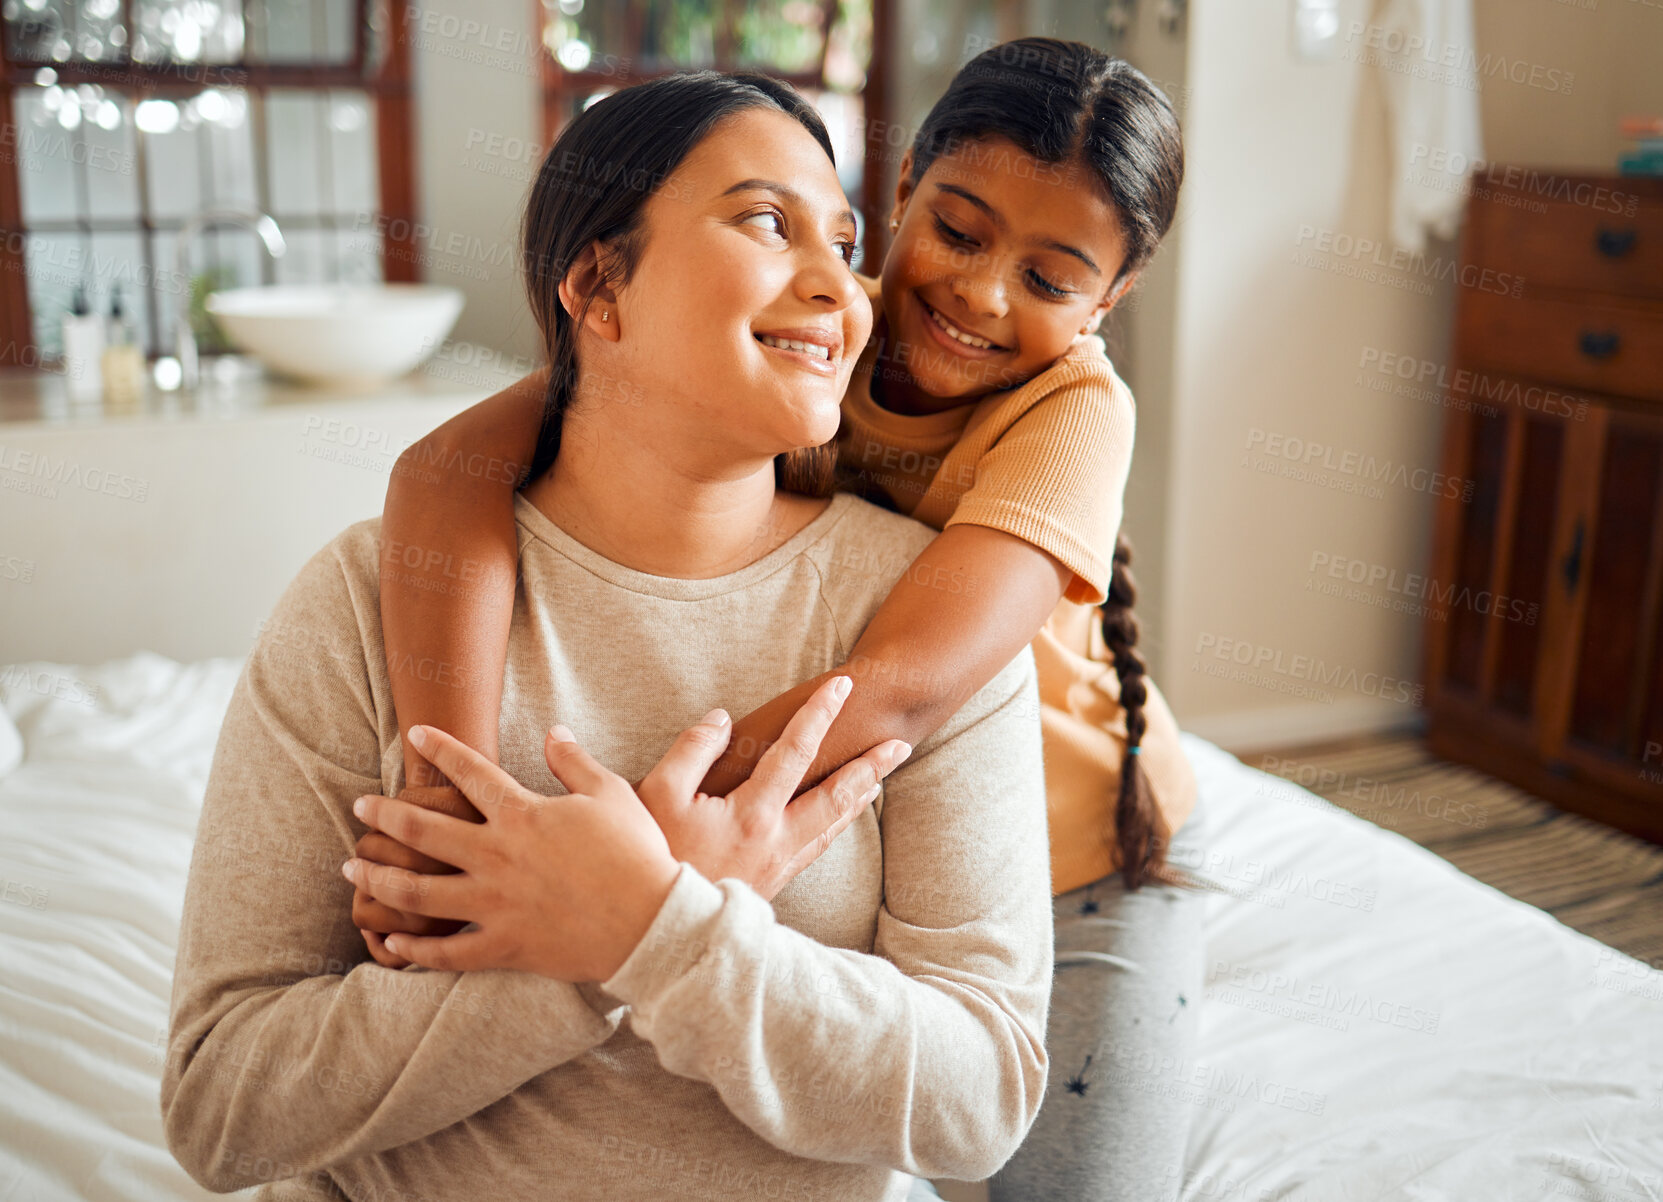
pixel 83 343
pixel 122 363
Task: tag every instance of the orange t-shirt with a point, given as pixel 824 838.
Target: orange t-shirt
pixel 1047 462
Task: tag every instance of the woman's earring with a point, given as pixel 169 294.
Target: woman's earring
pixel 606 314
pixel 894 224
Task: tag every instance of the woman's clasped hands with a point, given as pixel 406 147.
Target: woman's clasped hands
pixel 567 886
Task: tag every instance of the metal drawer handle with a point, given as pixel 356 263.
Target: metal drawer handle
pixel 1598 346
pixel 1614 244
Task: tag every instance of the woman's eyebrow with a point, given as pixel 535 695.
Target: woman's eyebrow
pixel 786 193
pixel 998 219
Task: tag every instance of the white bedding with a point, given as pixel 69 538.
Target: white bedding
pixel 1376 1024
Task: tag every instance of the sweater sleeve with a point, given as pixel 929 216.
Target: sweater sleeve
pixel 926 1056
pixel 289 1050
pixel 1057 477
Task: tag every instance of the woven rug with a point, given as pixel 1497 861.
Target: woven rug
pixel 1589 876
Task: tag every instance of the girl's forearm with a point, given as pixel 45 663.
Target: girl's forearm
pixel 449 560
pixel 871 715
pixel 970 602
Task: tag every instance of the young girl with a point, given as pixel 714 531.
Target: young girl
pixel 1037 188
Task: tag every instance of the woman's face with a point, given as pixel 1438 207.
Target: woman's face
pixel 1000 261
pixel 742 320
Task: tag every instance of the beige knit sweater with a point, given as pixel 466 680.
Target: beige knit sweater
pixel 883 1017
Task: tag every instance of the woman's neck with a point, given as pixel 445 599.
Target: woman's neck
pixel 649 507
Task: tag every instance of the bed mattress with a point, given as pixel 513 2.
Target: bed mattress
pixel 1375 1024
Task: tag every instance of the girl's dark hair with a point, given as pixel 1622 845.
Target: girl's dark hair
pixel 593 185
pixel 1069 104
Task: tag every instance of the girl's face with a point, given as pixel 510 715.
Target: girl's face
pixel 742 320
pixel 1000 261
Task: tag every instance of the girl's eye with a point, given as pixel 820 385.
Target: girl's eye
pixel 848 251
pixel 1045 285
pixel 768 215
pixel 951 234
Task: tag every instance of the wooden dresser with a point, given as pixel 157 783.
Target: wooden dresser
pixel 1544 654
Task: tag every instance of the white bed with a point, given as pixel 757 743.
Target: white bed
pixel 1376 1024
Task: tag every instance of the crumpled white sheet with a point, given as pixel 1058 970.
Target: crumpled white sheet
pixel 1376 1025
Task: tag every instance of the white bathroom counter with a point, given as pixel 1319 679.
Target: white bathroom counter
pixel 105 514
pixel 234 388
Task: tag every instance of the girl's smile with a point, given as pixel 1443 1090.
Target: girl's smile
pixel 954 337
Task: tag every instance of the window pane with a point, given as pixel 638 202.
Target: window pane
pixel 168 287
pixel 312 257
pixel 360 254
pixel 187 31
pixel 780 35
pixel 199 153
pixel 296 128
pixel 338 18
pixel 112 162
pixel 118 262
pixel 173 167
pixel 352 162
pixel 55 263
pixel 226 137
pixel 783 34
pixel 280 31
pixel 41 33
pixel 45 172
pixel 301 31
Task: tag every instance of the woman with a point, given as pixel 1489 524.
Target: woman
pixel 885 1016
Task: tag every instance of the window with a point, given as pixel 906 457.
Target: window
pixel 822 47
pixel 120 119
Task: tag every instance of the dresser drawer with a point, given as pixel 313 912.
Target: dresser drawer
pixel 1614 349
pixel 1609 240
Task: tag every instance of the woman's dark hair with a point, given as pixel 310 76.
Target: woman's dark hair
pixel 593 185
pixel 1068 103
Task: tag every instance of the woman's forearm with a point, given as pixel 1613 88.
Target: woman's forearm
pixel 284 1045
pixel 449 558
pixel 927 1055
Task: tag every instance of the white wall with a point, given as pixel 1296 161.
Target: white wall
pixel 1263 342
pixel 478 131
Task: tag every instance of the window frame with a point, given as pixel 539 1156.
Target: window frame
pixel 560 86
pixel 388 83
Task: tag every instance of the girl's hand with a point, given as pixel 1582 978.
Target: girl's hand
pixel 561 886
pixel 374 920
pixel 757 833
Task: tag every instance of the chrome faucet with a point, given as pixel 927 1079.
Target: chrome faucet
pixel 190 370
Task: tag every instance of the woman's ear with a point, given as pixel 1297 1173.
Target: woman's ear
pixel 903 192
pixel 587 276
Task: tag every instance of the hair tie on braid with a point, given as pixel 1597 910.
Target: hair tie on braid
pixel 1135 750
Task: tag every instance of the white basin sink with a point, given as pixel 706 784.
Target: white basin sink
pixel 353 334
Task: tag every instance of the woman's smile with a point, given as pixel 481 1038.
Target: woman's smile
pixel 817 348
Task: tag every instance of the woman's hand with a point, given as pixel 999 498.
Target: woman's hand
pixel 757 834
pixel 561 886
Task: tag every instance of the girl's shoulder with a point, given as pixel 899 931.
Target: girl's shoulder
pixel 1081 381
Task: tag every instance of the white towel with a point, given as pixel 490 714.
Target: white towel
pixel 1426 51
pixel 11 744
